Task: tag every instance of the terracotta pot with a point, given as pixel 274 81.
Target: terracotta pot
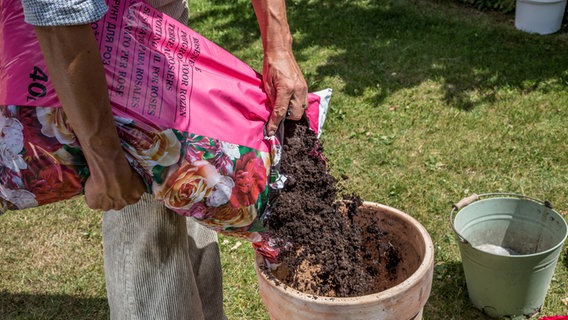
pixel 405 299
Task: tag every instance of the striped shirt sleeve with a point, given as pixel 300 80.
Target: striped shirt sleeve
pixel 63 12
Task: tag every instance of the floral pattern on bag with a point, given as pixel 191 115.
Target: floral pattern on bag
pixel 222 185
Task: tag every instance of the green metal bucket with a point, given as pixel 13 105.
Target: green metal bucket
pixel 509 246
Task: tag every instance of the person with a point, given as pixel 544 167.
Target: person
pixel 158 265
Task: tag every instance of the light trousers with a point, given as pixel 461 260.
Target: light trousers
pixel 160 265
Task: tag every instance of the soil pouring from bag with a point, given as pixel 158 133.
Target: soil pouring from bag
pixel 334 249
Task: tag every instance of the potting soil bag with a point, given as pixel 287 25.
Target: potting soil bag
pixel 190 115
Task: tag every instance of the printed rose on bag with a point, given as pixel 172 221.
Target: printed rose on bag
pixel 36 168
pixel 220 184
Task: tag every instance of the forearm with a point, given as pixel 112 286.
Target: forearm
pixel 77 73
pixel 273 23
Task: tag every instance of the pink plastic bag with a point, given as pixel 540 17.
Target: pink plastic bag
pixel 191 117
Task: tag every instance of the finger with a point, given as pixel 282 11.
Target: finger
pixel 91 201
pixel 134 199
pixel 297 109
pixel 299 102
pixel 119 204
pixel 270 94
pixel 278 113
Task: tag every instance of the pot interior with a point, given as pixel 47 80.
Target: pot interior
pixel 393 249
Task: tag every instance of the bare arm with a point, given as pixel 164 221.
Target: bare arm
pixel 77 73
pixel 283 80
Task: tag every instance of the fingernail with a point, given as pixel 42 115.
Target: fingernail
pixel 255 237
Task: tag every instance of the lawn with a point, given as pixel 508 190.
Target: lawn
pixel 433 101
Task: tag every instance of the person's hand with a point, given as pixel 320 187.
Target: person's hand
pixel 114 187
pixel 285 86
pixel 283 81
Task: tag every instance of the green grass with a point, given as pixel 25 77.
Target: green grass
pixel 432 102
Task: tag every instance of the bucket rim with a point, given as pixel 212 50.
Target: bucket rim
pixel 500 196
pixel 542 2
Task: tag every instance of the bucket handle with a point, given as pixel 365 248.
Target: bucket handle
pixel 474 197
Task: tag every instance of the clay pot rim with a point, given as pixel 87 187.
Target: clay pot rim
pixel 423 270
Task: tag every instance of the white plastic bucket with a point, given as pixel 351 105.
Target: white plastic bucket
pixel 539 16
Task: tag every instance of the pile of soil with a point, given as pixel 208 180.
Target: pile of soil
pixel 324 250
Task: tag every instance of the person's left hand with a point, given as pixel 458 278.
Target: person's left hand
pixel 285 86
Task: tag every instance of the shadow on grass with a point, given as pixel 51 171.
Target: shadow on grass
pixel 449 298
pixel 51 306
pixel 385 46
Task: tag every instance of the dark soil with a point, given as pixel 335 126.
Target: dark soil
pixel 327 253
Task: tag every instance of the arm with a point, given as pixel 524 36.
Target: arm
pixel 77 73
pixel 283 80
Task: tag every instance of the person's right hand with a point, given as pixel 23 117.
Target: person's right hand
pixel 114 187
